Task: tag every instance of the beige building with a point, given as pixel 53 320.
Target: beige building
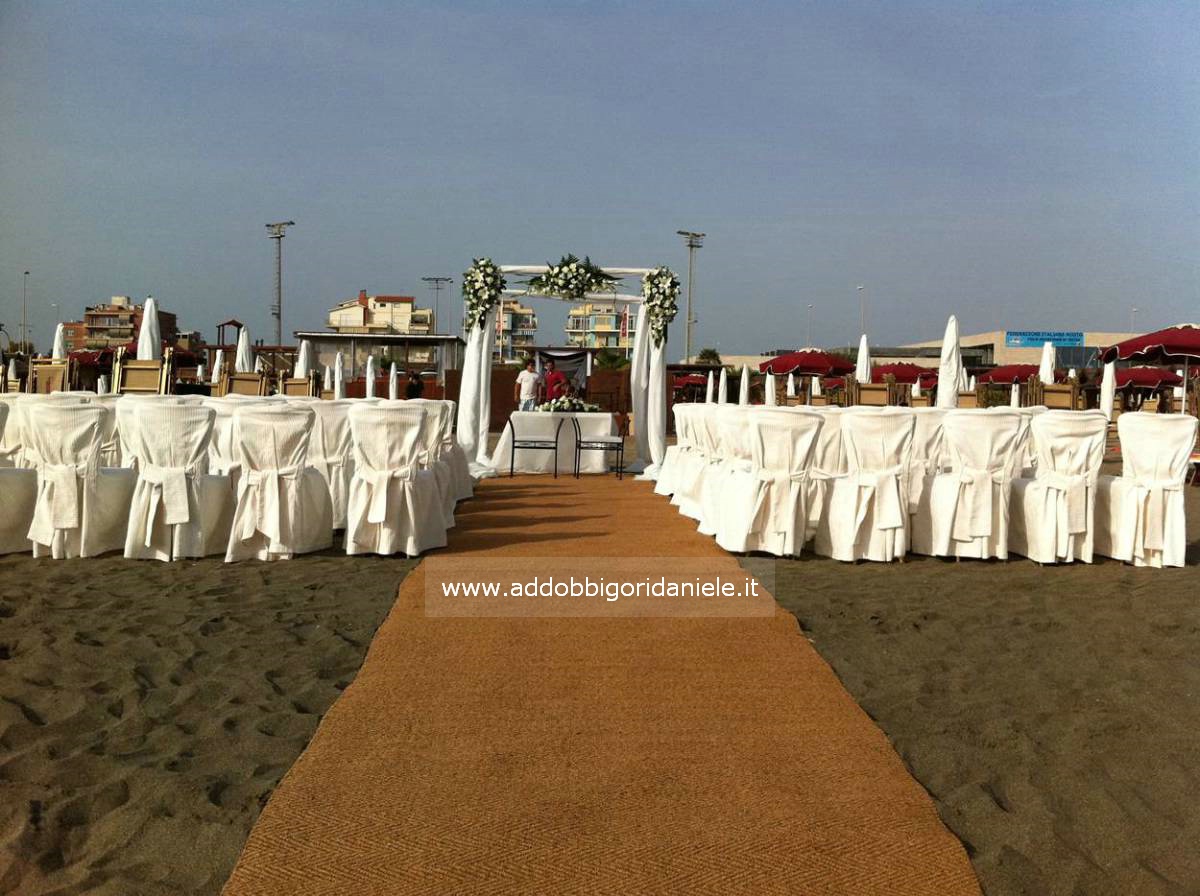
pixel 516 330
pixel 602 325
pixel 381 314
pixel 1072 348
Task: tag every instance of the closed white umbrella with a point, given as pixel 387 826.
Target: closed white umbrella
pixel 304 361
pixel 1014 399
pixel 12 370
pixel 723 387
pixel 259 367
pixel 370 374
pixel 1046 367
pixel 769 388
pixel 218 362
pixel 916 389
pixel 1108 389
pixel 102 384
pixel 327 382
pixel 339 376
pixel 393 383
pixel 60 344
pixel 971 383
pixel 149 347
pixel 199 373
pixel 1177 391
pixel 243 361
pixel 708 389
pixel 950 369
pixel 744 388
pixel 791 385
pixel 1072 374
pixel 816 385
pixel 862 368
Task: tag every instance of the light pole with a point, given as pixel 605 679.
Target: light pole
pixel 24 324
pixel 276 233
pixel 693 241
pixel 862 309
pixel 808 338
pixel 437 283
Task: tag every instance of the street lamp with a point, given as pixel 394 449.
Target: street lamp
pixel 276 233
pixel 437 283
pixel 24 324
pixel 808 338
pixel 862 309
pixel 693 241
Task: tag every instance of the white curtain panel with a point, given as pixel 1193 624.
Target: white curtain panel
pixel 950 368
pixel 483 462
pixel 149 347
pixel 639 381
pixel 723 387
pixel 769 390
pixel 468 395
pixel 59 351
pixel 243 361
pixel 656 408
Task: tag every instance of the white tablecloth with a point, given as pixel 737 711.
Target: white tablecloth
pixel 541 425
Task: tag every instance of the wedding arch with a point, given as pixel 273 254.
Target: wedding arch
pixel 486 284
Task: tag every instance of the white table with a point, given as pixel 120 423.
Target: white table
pixel 542 425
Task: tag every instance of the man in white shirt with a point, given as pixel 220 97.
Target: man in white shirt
pixel 525 389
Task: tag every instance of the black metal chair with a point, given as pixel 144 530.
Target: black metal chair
pixel 599 443
pixel 542 444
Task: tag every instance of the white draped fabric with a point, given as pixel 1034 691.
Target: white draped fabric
pixel 769 390
pixel 59 351
pixel 639 384
pixel 862 367
pixel 330 451
pixel 149 345
pixel 951 375
pixel 542 425
pixel 656 409
pixel 1140 515
pixel 243 360
pixel 475 397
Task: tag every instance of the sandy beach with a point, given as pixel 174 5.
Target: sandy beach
pixel 147 710
pixel 1051 713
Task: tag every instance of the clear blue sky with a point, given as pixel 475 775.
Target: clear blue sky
pixel 1025 165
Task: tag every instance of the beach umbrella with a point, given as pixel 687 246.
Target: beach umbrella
pixel 1072 374
pixel 393 383
pixel 243 361
pixel 259 367
pixel 12 370
pixel 807 362
pixel 1014 398
pixel 60 344
pixel 218 362
pixel 950 366
pixel 816 385
pixel 708 389
pixel 370 374
pixel 791 385
pixel 1009 373
pixel 903 372
pixel 199 373
pixel 102 384
pixel 769 390
pixel 862 369
pixel 149 344
pixel 1107 388
pixel 971 384
pixel 304 361
pixel 1147 378
pixel 723 387
pixel 1177 392
pixel 327 382
pixel 1046 367
pixel 744 387
pixel 339 376
pixel 1178 343
pixel 916 388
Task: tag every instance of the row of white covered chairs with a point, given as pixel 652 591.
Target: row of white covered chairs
pixel 168 477
pixel 877 483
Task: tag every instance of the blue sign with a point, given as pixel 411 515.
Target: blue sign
pixel 1035 338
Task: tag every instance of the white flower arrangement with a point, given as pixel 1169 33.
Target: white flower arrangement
pixel 567 404
pixel 572 279
pixel 660 290
pixel 482 287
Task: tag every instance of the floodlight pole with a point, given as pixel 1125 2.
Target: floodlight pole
pixel 808 337
pixel 693 241
pixel 24 324
pixel 437 283
pixel 276 233
pixel 862 309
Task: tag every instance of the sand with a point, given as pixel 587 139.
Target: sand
pixel 147 710
pixel 1052 713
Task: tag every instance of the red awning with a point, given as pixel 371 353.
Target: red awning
pixel 691 379
pixel 1180 343
pixel 1008 373
pixel 808 363
pixel 906 374
pixel 1147 378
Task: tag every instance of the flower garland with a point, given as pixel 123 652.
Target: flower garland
pixel 660 290
pixel 572 279
pixel 567 404
pixel 483 285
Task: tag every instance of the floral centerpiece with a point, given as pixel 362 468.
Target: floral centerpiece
pixel 568 404
pixel 572 279
pixel 482 287
pixel 660 290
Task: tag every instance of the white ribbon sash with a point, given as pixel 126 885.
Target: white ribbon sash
pixel 976 502
pixel 879 490
pixel 1149 497
pixel 1073 488
pixel 169 490
pixel 268 503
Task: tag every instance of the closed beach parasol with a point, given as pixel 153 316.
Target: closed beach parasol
pixel 243 361
pixel 149 344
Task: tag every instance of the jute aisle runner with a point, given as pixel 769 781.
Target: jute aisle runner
pixel 595 755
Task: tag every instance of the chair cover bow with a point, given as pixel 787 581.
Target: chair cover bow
pixel 59 488
pixel 1073 488
pixel 377 489
pixel 170 491
pixel 1150 502
pixel 774 515
pixel 268 502
pixel 882 494
pixel 977 494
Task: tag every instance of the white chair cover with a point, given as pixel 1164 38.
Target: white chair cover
pixel 81 510
pixel 732 454
pixel 453 454
pixel 929 457
pixel 223 457
pixel 331 450
pixel 435 427
pixel 18 484
pixel 765 508
pixel 828 466
pixel 178 510
pixel 1053 513
pixel 669 471
pixel 394 506
pixel 283 506
pixel 699 423
pixel 967 514
pixel 868 507
pixel 10 440
pixel 1140 515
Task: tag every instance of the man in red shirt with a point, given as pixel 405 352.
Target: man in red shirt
pixel 556 382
